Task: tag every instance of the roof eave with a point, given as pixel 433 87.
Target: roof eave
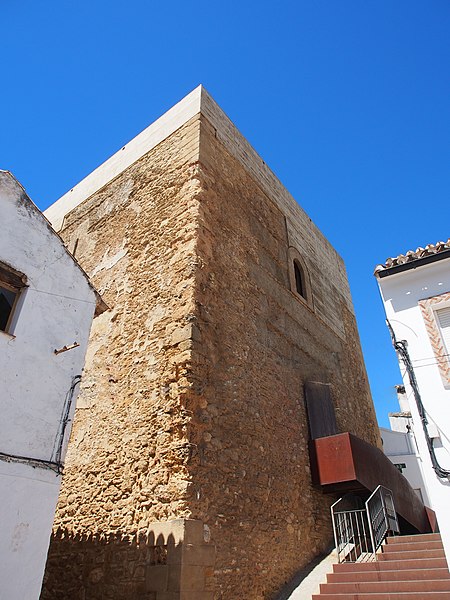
pixel 380 273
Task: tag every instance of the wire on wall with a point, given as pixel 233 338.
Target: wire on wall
pixel 401 348
pixel 59 442
pixel 55 463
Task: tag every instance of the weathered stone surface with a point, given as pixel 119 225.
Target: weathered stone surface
pixel 150 566
pixel 192 402
pixel 127 461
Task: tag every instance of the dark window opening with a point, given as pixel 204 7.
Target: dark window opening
pixel 8 297
pixel 12 283
pixel 299 280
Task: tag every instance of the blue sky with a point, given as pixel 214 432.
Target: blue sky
pixel 347 101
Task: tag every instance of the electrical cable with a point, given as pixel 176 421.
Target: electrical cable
pixel 65 419
pixel 401 348
pixel 57 464
pixel 34 462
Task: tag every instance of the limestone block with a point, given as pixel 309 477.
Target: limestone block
pixel 204 555
pixel 157 578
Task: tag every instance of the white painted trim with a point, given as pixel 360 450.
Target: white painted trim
pixel 158 131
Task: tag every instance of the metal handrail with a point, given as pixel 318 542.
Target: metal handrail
pixel 359 532
pixel 351 533
pixel 381 515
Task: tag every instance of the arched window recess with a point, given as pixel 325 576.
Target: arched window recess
pixel 299 277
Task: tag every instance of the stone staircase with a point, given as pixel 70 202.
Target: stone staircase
pixel 408 568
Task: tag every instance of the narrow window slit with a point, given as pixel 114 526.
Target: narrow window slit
pixel 299 280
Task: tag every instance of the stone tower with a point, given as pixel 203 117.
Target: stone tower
pixel 188 474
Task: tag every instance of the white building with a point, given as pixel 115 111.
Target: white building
pixel 400 446
pixel 46 309
pixel 415 289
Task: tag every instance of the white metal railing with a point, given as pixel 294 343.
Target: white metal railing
pixel 381 515
pixel 359 532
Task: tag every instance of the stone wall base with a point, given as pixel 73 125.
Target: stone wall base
pixel 172 560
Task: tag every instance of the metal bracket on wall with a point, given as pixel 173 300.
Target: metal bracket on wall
pixel 66 348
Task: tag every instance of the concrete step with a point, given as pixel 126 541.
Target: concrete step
pixel 408 568
pixel 422 537
pixel 404 575
pixel 386 587
pixel 410 554
pixel 409 546
pixel 384 596
pixel 392 565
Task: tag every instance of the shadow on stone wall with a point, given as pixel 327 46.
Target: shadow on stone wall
pixel 111 567
pixel 169 559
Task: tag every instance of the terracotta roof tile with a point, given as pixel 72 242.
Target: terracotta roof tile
pixel 413 255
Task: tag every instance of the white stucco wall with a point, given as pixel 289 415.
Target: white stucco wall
pixel 401 448
pixel 55 310
pixel 401 293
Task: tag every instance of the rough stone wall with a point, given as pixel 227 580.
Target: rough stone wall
pixel 126 464
pixel 192 399
pixel 257 345
pixel 172 560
